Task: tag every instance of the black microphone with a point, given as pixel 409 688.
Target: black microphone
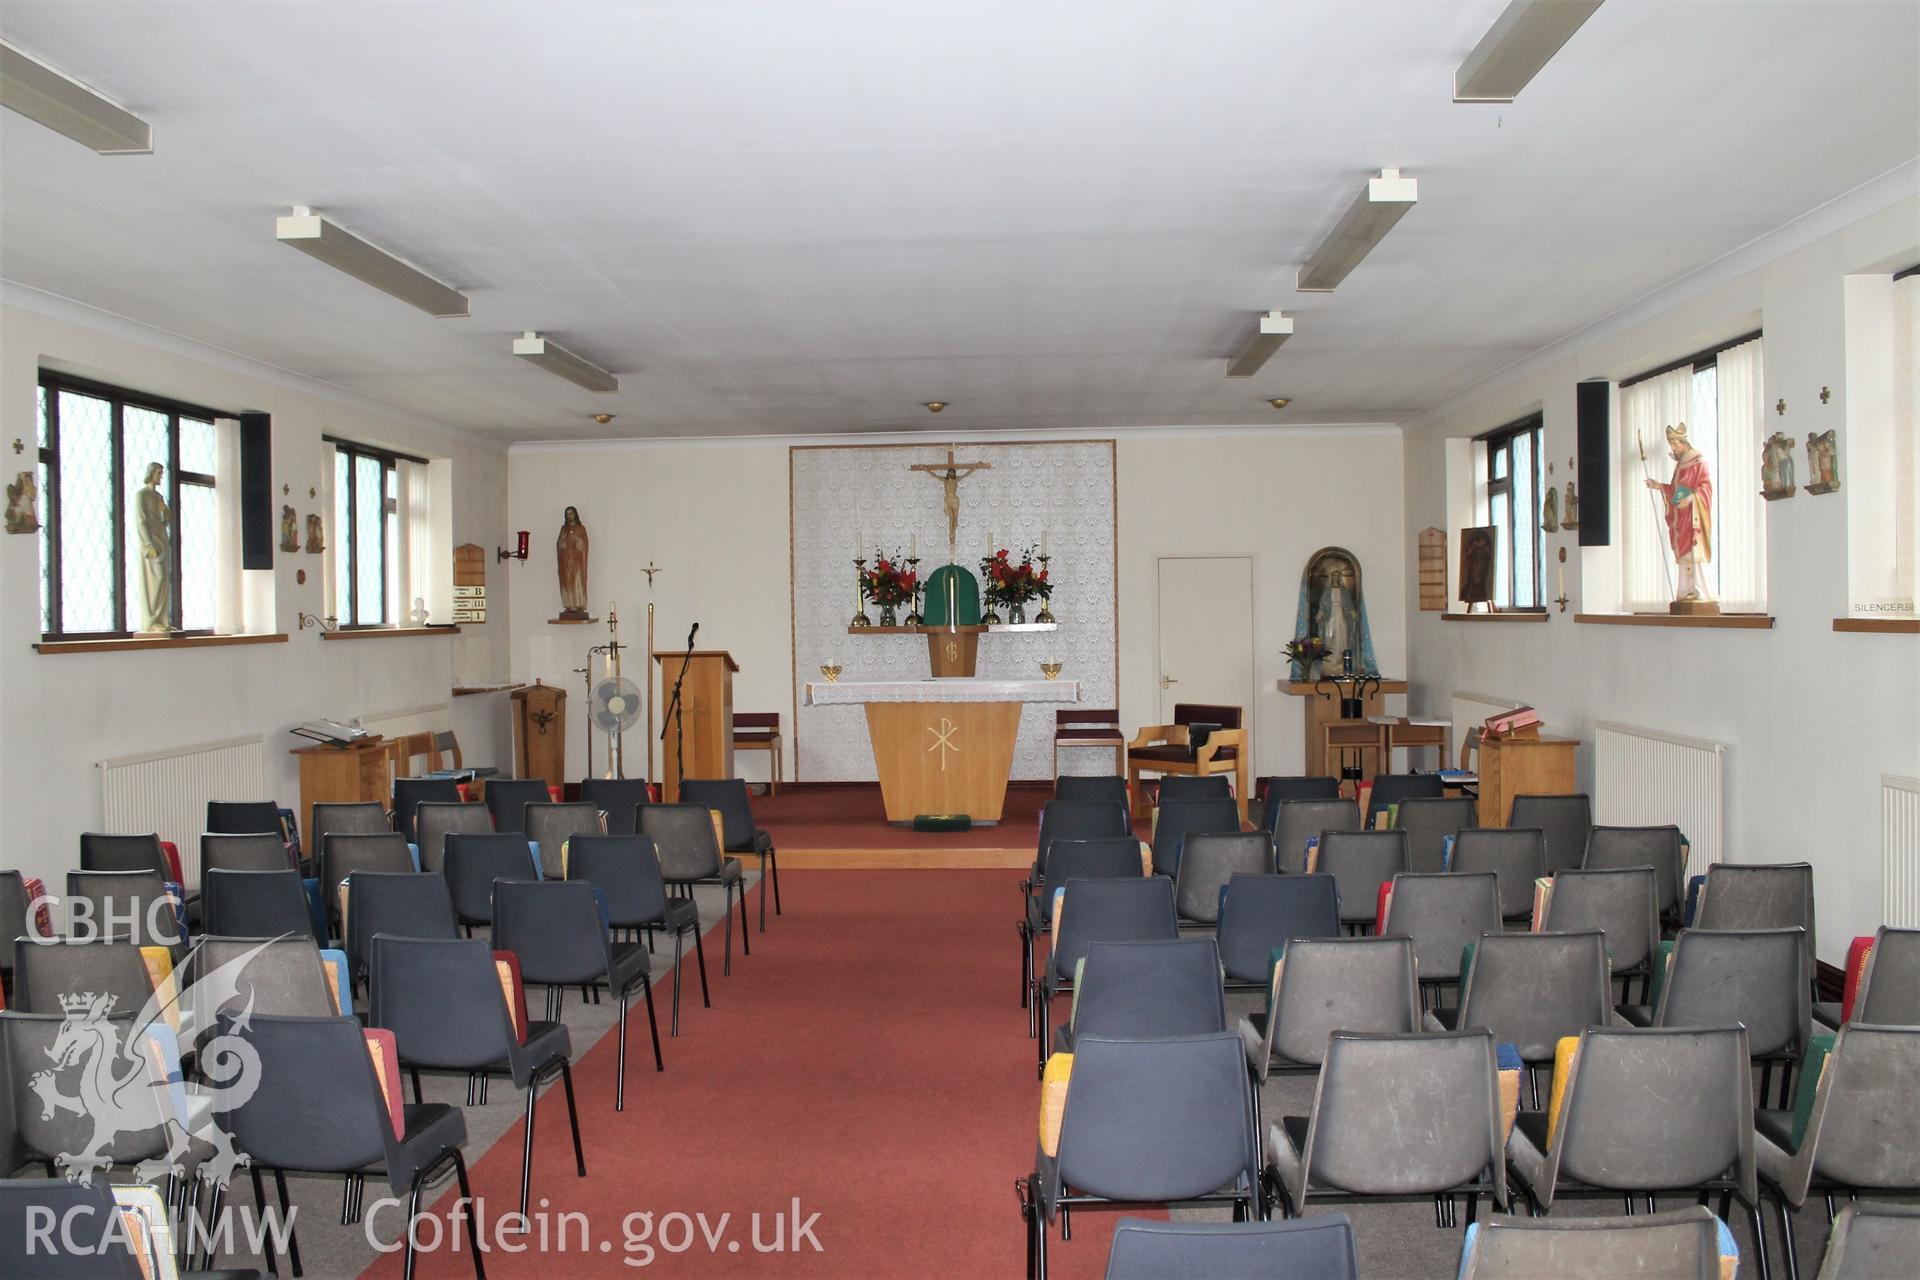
pixel 691 634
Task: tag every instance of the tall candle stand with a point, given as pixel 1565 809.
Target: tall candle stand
pixel 1046 612
pixel 860 618
pixel 913 614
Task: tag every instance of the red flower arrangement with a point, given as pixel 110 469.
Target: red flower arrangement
pixel 887 583
pixel 1013 584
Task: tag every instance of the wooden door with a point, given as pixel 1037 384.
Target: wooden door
pixel 1205 645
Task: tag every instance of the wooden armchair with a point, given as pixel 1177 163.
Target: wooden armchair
pixel 1167 748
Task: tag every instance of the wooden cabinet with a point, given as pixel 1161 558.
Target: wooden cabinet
pixel 1512 767
pixel 540 733
pixel 352 774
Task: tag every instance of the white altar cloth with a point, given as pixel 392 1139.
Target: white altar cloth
pixel 821 693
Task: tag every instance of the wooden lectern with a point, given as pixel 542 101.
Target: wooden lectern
pixel 706 705
pixel 540 733
pixel 351 774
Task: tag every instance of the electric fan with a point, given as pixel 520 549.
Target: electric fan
pixel 615 706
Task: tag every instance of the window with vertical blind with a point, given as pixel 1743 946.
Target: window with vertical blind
pixel 1510 494
pixel 97 444
pixel 1717 395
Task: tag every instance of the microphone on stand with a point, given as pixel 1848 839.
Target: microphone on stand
pixel 691 634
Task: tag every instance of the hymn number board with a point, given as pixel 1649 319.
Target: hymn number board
pixel 469 583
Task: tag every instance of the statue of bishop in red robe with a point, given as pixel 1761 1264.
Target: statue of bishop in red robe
pixel 1689 512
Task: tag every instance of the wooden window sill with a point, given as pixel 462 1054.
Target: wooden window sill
pixel 371 633
pixel 133 643
pixel 1723 621
pixel 1885 626
pixel 1514 615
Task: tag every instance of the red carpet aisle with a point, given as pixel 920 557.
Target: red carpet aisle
pixel 869 1059
pixel 841 818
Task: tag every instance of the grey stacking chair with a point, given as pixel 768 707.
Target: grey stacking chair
pixel 87 1214
pixel 255 904
pixel 410 904
pixel 1396 1115
pixel 409 792
pixel 1646 1111
pixel 1166 1121
pixel 1273 791
pixel 433 822
pixel 1442 912
pixel 507 800
pixel 1611 848
pixel 626 872
pixel 1534 989
pixel 1862 1135
pixel 1116 857
pixel 1108 788
pixel 47 973
pixel 14 908
pixel 1262 913
pixel 1178 819
pixel 100 851
pixel 1872 1241
pixel 1394 788
pixel 63 1140
pixel 1071 820
pixel 1566 821
pixel 251 851
pixel 1297 821
pixel 1683 1245
pixel 620 799
pixel 1360 862
pixel 689 852
pixel 1515 854
pixel 1889 991
pixel 1756 978
pixel 1622 903
pixel 358 818
pixel 554 927
pixel 1320 1247
pixel 474 862
pixel 282 976
pixel 1111 910
pixel 1210 860
pixel 1428 822
pixel 121 905
pixel 739 833
pixel 550 826
pixel 342 855
pixel 1777 895
pixel 1146 991
pixel 444 1003
pixel 1328 985
pixel 244 817
pixel 319 1108
pixel 1178 788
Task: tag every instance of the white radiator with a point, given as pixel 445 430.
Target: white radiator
pixel 1644 777
pixel 1900 851
pixel 167 791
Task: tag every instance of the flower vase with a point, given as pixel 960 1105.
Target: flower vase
pixel 886 615
pixel 1017 615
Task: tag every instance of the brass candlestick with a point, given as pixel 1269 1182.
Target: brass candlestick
pixel 913 613
pixel 1046 612
pixel 860 618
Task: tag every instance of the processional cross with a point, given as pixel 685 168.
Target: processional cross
pixel 950 474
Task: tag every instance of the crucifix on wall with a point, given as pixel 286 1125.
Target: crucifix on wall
pixel 950 474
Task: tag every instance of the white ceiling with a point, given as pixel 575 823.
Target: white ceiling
pixel 802 216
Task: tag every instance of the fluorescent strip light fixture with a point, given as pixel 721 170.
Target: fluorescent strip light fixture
pixel 1521 41
pixel 38 92
pixel 342 250
pixel 559 361
pixel 1384 202
pixel 1274 328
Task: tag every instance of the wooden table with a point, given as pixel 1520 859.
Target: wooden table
pixel 943 746
pixel 1323 711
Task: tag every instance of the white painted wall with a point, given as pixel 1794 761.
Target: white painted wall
pixel 714 515
pixel 63 713
pixel 1814 718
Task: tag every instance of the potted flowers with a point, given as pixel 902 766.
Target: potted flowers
pixel 1005 581
pixel 1306 653
pixel 888 585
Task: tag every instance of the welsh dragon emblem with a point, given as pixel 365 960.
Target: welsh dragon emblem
pixel 126 1078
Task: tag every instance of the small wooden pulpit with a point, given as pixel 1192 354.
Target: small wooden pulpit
pixel 353 773
pixel 540 733
pixel 706 710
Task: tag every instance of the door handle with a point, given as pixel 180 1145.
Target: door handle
pixel 1167 680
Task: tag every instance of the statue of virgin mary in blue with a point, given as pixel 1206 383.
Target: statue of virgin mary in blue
pixel 1332 609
